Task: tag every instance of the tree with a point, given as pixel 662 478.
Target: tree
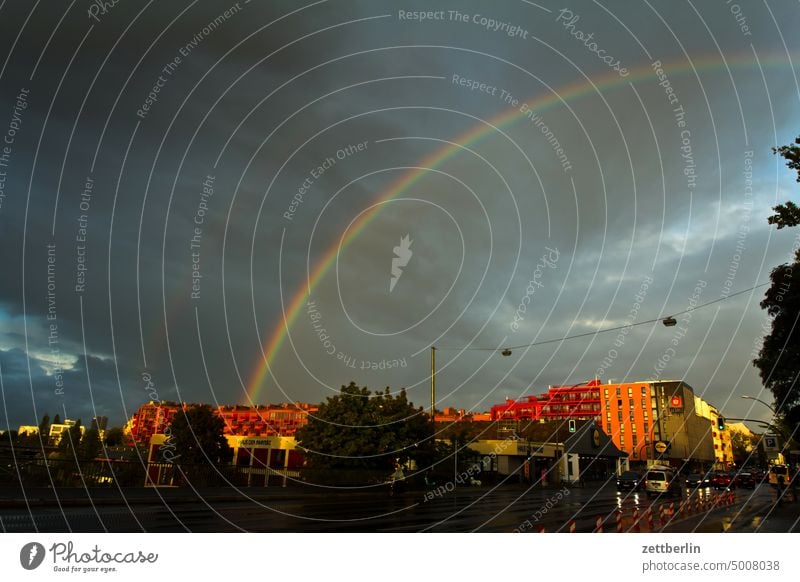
pixel 91 445
pixel 44 429
pixel 71 440
pixel 788 214
pixel 57 419
pixel 115 436
pixel 778 360
pixel 357 429
pixel 742 445
pixel 198 436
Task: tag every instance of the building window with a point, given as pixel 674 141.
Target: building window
pixel 619 392
pixel 622 440
pixel 608 417
pixel 644 390
pixel 633 427
pixel 606 392
pixel 645 414
pixel 646 428
pixel 608 429
pixel 619 403
pixel 644 402
pixel 607 405
pixel 634 440
pixel 631 417
pixel 630 392
pixel 619 416
pixel 622 428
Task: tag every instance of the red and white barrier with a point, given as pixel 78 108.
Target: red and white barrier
pixel 619 521
pixel 598 524
pixel 573 527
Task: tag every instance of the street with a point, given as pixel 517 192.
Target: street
pixel 469 509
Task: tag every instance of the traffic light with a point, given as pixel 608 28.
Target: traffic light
pixel 721 422
pixel 571 425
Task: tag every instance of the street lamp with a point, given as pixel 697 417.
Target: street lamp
pixel 762 402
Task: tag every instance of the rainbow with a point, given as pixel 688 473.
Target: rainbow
pixel 577 90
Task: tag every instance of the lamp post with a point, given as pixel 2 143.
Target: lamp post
pixel 433 387
pixel 775 414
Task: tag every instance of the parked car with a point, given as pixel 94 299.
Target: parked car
pixel 696 480
pixel 746 480
pixel 780 475
pixel 723 480
pixel 661 481
pixel 629 481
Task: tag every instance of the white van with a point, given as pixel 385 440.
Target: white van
pixel 661 480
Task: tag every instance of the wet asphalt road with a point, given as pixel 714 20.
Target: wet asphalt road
pixel 476 509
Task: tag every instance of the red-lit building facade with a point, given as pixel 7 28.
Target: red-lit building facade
pixel 265 420
pixel 579 402
pixel 250 421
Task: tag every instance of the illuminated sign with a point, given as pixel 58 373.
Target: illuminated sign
pixel 676 402
pixel 661 447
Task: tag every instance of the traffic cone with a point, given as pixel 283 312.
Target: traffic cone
pixel 598 524
pixel 573 527
pixel 619 521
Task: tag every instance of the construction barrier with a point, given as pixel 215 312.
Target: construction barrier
pixel 572 526
pixel 619 521
pixel 649 516
pixel 635 517
pixel 541 529
pixel 598 524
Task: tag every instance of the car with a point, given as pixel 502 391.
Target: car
pixel 661 481
pixel 723 480
pixel 780 475
pixel 698 480
pixel 629 481
pixel 746 480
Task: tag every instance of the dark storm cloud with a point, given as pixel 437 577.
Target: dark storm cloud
pixel 630 216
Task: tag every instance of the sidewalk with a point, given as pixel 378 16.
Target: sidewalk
pixel 771 517
pixel 783 518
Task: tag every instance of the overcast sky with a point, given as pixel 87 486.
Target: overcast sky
pixel 577 167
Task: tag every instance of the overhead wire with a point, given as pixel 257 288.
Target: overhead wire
pixel 599 331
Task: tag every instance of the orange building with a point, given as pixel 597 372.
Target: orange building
pixel 648 420
pixel 627 416
pixel 450 414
